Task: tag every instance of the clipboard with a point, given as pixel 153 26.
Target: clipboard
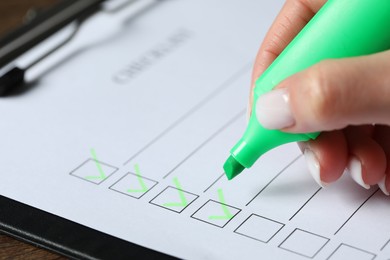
pixel 126 131
pixel 65 237
pixel 25 222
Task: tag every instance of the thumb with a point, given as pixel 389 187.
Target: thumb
pixel 330 95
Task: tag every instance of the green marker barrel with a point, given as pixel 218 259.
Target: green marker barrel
pixel 340 29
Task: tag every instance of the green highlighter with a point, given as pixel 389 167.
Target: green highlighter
pixel 340 29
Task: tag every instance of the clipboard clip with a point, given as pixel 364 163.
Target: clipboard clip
pixel 43 27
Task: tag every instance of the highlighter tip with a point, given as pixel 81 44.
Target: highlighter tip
pixel 232 168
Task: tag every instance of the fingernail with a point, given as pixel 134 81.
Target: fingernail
pixel 314 167
pixel 382 186
pixel 273 109
pixel 355 169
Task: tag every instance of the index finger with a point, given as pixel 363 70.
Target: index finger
pixel 294 15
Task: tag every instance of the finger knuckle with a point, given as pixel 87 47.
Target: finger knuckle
pixel 321 92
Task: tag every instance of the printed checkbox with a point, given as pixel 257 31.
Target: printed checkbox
pixel 215 213
pixel 133 185
pixel 174 199
pixel 259 228
pixel 94 171
pixel 344 251
pixel 304 243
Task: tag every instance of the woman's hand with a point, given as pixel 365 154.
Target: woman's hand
pixel 344 98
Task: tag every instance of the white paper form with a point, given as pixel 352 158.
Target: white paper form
pixel 128 136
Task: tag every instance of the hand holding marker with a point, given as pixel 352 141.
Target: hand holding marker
pixel 334 76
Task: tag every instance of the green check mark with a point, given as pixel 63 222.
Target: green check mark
pixel 101 175
pixel 144 188
pixel 225 209
pixel 183 201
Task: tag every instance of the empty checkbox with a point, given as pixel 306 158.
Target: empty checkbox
pixel 259 228
pixel 304 243
pixel 344 251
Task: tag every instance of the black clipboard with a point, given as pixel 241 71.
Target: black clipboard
pixel 25 222
pixel 65 237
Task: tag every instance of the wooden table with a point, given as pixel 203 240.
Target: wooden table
pixel 13 249
pixel 12 13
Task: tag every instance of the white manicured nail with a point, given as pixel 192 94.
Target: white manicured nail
pixel 273 109
pixel 314 167
pixel 355 169
pixel 382 186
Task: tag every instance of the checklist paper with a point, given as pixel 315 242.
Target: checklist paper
pixel 128 134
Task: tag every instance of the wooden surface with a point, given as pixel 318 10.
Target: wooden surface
pixel 12 13
pixel 13 249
